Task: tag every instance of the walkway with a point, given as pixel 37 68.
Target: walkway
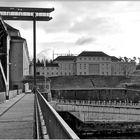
pixel 16 122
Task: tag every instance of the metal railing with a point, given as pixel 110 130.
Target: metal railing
pixel 56 127
pixel 99 103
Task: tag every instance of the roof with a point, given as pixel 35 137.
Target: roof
pixel 65 58
pixel 10 28
pixel 114 59
pixel 18 38
pixel 48 65
pixel 93 54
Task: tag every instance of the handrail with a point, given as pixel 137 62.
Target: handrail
pixel 57 128
pixel 37 133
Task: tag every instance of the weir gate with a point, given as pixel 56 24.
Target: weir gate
pixel 110 112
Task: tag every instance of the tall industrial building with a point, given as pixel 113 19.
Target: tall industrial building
pixel 14 57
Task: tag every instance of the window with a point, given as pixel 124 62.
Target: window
pixel 80 58
pixel 38 73
pixel 85 73
pixel 80 66
pixel 84 66
pixel 52 73
pixel 80 73
pixel 85 58
pixel 89 58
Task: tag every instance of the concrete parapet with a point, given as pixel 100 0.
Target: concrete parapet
pixel 2 97
pixel 12 94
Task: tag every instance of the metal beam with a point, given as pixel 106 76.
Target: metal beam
pixel 24 9
pixel 27 18
pixel 28 14
pixel 34 41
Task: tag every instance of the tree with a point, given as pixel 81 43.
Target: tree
pixel 38 61
pixel 121 59
pixel 139 59
pixel 134 58
pixel 126 59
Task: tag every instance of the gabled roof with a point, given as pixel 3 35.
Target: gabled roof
pixel 65 58
pixel 93 54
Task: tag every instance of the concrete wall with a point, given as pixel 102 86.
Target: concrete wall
pixel 97 111
pixel 14 93
pixel 16 67
pixel 2 97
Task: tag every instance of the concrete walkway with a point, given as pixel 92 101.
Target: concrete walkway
pixel 16 117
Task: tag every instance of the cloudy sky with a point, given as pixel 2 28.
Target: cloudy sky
pixel 109 26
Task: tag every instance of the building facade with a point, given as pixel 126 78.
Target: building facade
pixel 19 58
pixel 48 70
pixel 67 65
pixel 87 63
pixel 93 63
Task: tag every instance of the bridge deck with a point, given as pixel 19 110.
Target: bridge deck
pixel 17 122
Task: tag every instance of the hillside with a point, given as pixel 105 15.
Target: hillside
pixel 76 82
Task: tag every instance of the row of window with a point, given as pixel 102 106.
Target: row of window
pixel 52 73
pixel 85 66
pixel 94 58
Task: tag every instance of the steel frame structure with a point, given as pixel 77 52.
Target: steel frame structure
pixel 27 14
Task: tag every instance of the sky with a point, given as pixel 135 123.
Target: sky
pixel 109 26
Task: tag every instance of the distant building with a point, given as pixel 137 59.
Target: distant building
pixel 93 63
pixel 122 68
pixel 67 65
pixel 49 70
pixel 86 63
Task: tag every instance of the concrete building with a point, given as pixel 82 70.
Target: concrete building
pixel 19 58
pixel 122 68
pixel 49 70
pixel 93 63
pixel 86 63
pixel 67 65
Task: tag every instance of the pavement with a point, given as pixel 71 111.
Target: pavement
pixel 9 103
pixel 16 117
